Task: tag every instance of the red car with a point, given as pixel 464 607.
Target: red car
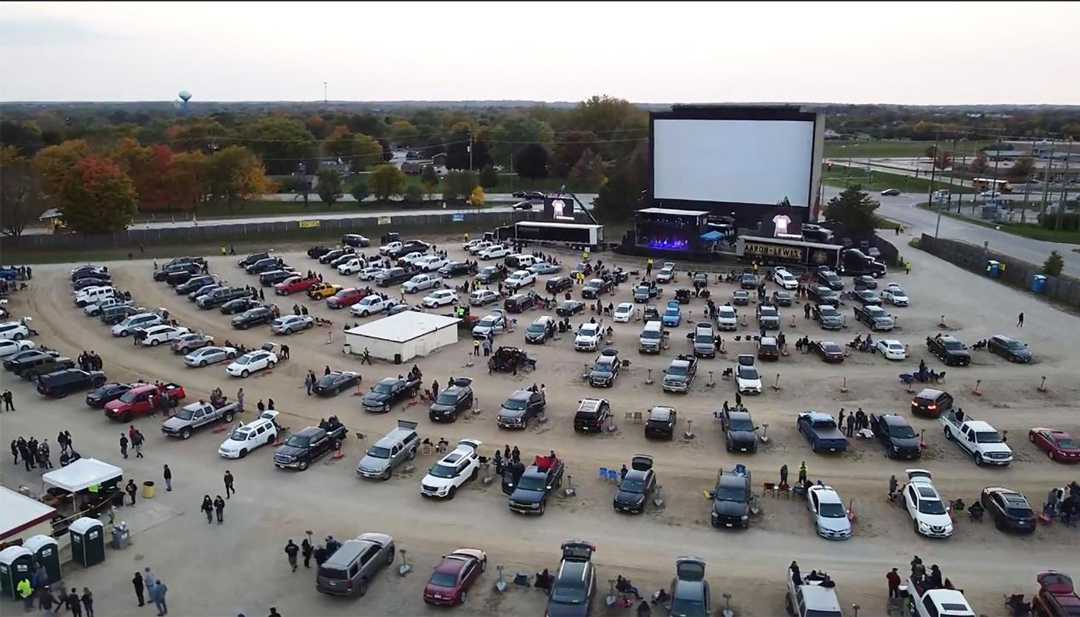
pixel 454 575
pixel 142 399
pixel 346 297
pixel 294 284
pixel 1058 445
pixel 1056 597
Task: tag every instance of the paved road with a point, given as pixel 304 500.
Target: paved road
pixel 902 208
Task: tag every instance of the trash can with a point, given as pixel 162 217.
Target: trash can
pixel 87 541
pixel 121 535
pixel 993 268
pixel 397 358
pixel 46 551
pixel 16 564
pixel 148 489
pixel 1038 283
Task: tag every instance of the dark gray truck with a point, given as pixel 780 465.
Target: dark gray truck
pixel 530 487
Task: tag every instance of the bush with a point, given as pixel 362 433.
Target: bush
pixel 414 194
pixel 1054 264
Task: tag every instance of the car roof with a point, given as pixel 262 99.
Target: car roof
pixel 661 413
pixel 590 404
pixel 979 425
pixel 819 598
pixel 817 416
pixel 929 393
pixel 826 494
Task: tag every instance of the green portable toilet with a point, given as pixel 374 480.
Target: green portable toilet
pixel 87 541
pixel 16 564
pixel 46 551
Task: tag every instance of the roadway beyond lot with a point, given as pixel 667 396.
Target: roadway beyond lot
pixel 240 567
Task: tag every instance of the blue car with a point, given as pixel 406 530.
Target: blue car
pixel 672 315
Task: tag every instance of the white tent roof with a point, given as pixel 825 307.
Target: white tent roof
pixel 82 474
pixel 404 326
pixel 17 512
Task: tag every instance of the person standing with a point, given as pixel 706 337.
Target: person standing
pixel 208 508
pixel 130 488
pixel 308 383
pixel 15 450
pixel 123 445
pixel 1019 324
pixel 291 549
pixel 240 399
pixel 88 602
pixel 137 583
pixel 157 594
pixel 137 442
pixel 43 451
pixel 893 578
pixel 8 404
pixel 306 549
pixel 167 473
pixel 219 508
pixel 229 490
pixel 73 604
pixel 802 473
pixel 850 425
pixel 26 593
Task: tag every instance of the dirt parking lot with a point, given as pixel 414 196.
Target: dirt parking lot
pixel 241 566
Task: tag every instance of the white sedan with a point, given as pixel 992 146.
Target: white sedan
pixel 624 312
pixel 247 437
pixel 252 362
pixel 519 279
pixel 830 518
pixel 209 355
pixel 895 295
pixel 438 298
pixel 156 335
pixel 10 347
pixel 495 252
pixel 892 349
pixel 288 324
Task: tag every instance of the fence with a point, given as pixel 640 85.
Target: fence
pixel 1016 272
pixel 373 225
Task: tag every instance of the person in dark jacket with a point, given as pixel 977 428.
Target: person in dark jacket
pixel 291 550
pixel 73 604
pixel 219 508
pixel 137 582
pixel 208 508
pixel 88 602
pixel 306 549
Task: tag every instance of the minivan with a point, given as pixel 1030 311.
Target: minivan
pixel 394 448
pixel 931 403
pixel 352 566
pixel 651 339
pixel 113 315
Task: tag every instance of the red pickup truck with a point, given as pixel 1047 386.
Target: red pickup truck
pixel 143 400
pixel 347 297
pixel 294 284
pixel 1056 596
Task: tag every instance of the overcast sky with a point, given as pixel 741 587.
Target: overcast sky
pixel 665 52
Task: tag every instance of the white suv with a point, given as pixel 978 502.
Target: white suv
pixel 924 504
pixel 785 279
pixel 727 318
pixel 156 335
pixel 452 470
pixel 141 320
pixel 587 338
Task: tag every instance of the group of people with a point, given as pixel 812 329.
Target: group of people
pixel 35 454
pixel 210 507
pixel 856 421
pixel 135 438
pixel 146 581
pixel 308 549
pixel 90 361
pixel 814 577
pixel 924 579
pixel 1064 502
pixel 37 588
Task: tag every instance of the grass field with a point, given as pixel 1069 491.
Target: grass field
pixel 876 181
pixel 1026 230
pixel 894 148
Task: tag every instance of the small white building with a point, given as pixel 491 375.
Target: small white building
pixel 22 517
pixel 402 337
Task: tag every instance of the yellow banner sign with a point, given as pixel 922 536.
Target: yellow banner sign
pixel 309 224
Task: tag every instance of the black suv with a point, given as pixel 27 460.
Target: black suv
pixel 254 257
pixel 661 423
pixel 1008 348
pixel 894 432
pixel 558 284
pixel 457 268
pixel 829 279
pixel 591 415
pixel 221 296
pixel 1009 509
pixel 574 586
pixel 931 403
pixel 253 317
pixel 740 434
pixel 183 274
pixel 521 302
pixel 949 349
pixel 731 499
pixel 452 401
pixel 306 446
pixel 239 305
pixel 522 406
pixel 44 368
pixel 594 288
pixel 62 383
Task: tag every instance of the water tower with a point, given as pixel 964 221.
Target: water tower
pixel 182 104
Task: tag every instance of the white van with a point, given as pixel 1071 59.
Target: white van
pixel 652 337
pixel 92 295
pixel 520 262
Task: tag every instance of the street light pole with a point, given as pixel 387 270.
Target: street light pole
pixel 930 189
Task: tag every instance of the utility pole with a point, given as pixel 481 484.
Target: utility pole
pixel 470 149
pixel 1064 187
pixel 1046 178
pixel 930 189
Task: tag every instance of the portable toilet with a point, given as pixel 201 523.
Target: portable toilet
pixel 1038 283
pixel 46 551
pixel 993 268
pixel 16 564
pixel 87 541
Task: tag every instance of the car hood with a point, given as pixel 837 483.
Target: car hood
pixel 934 520
pixel 749 383
pixel 567 610
pixel 839 525
pixel 441 408
pixel 742 437
pixel 230 444
pixel 289 451
pixel 521 495
pixel 175 423
pixel 431 480
pixel 371 463
pixel 675 379
pixel 989 448
pixel 905 443
pixel 626 498
pixel 511 414
pixel 600 375
pixel 730 508
pixel 374 398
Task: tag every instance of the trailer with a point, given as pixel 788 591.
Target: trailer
pixel 577 234
pixel 785 251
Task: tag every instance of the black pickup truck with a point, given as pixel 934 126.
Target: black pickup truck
pixel 949 350
pixel 529 488
pixel 307 446
pixel 388 391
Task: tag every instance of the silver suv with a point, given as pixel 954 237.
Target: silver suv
pixel 393 449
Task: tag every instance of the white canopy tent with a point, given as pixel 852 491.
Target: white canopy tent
pixel 82 474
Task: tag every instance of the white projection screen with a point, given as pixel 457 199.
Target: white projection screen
pixel 757 162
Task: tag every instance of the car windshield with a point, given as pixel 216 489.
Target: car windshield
pixel 129 396
pixel 532 483
pixel 671 311
pixel 1018 512
pixel 443 579
pixel 686 607
pixel 815 613
pixel 245 360
pixel 824 425
pixel 1014 345
pixel 1066 443
pixel 632 485
pixel 729 493
pixel 446 398
pixel 726 313
pixel 569 590
pixel 832 510
pixel 988 437
pixel 650 334
pixel 932 506
pixel 677 369
pixel 537 328
pixel 901 431
pixel 831 347
pixel 768 312
pixel 382 388
pixel 378 452
pixel 748 372
pixel 602 367
pixel 953 345
pixel 185 414
pixel 443 471
pixel 741 424
pixel 516 404
pixel 298 441
pixel 703 338
pixel 239 435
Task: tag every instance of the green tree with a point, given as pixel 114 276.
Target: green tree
pixel 98 197
pixel 330 186
pixel 515 132
pixel 489 178
pixel 1053 265
pixel 359 190
pixel 386 181
pixel 281 142
pixel 853 209
pixel 21 198
pixel 403 133
pixel 429 178
pixel 621 194
pixel 588 172
pixel 979 164
pixel 359 151
pixel 414 194
pixel 618 122
pixel 531 161
pixel 235 174
pixel 569 150
pixel 1022 169
pixel 458 185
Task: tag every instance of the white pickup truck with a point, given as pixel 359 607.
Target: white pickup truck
pixel 937 602
pixel 980 440
pixel 192 417
pixel 811 597
pixel 421 282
